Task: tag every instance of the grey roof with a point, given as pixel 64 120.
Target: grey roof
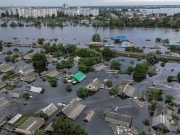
pixel 26 70
pixel 73 109
pixel 161 122
pixel 52 73
pixel 4 102
pixel 51 59
pixel 153 70
pixel 2 85
pixel 94 85
pixel 33 89
pixel 6 67
pixel 49 128
pixel 14 95
pixel 30 126
pixel 117 118
pixel 15 118
pixel 127 89
pixel 163 110
pixel 30 78
pixel 29 56
pixel 99 66
pixel 50 109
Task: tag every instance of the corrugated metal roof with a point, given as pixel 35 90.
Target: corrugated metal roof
pixel 73 109
pixel 117 118
pixel 5 67
pixel 30 125
pixel 50 109
pixel 94 85
pixel 15 118
pixel 99 66
pixel 127 89
pixel 159 120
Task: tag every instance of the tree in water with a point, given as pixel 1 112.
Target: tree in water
pixel 96 38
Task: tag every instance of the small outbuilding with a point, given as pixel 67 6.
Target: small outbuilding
pixel 30 78
pixel 119 119
pixel 6 67
pixel 26 70
pixel 94 86
pixel 30 126
pixel 77 77
pixel 34 89
pixel 49 130
pixel 143 96
pixel 126 90
pixel 15 118
pixel 72 110
pixel 89 116
pixel 14 95
pixel 99 67
pixel 50 58
pixel 52 73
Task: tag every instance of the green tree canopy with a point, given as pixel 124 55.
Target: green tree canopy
pixel 108 53
pixel 96 38
pixel 115 65
pixel 39 59
pixel 63 126
pixel 152 58
pixel 40 41
pixel 109 83
pixel 141 69
pixel 82 92
pixel 39 132
pixel 53 81
pixel 113 91
pixel 154 94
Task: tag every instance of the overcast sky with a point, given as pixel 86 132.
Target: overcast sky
pixel 86 2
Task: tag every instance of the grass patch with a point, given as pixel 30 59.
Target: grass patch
pixel 11 86
pixel 22 121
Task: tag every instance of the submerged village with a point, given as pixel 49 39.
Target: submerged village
pixel 124 81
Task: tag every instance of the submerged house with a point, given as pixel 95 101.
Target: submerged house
pixel 98 67
pixel 77 77
pixel 119 119
pixel 161 118
pixel 26 70
pixel 126 90
pixel 34 89
pixel 120 38
pixel 49 110
pixel 30 126
pixel 72 110
pixel 6 67
pixel 94 86
pixel 29 56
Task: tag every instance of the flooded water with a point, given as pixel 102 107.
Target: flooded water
pixel 100 101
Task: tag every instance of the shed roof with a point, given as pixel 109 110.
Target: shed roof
pixel 120 38
pixel 99 66
pixel 161 109
pixel 127 89
pixel 118 119
pixel 50 109
pixel 30 78
pixel 4 102
pixel 6 67
pixel 29 56
pixel 73 109
pixel 14 95
pixel 30 126
pixel 94 85
pixel 89 116
pixel 15 118
pixel 159 120
pixel 33 89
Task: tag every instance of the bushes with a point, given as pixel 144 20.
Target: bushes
pixel 26 96
pixel 53 81
pixel 154 94
pixel 68 88
pixel 133 49
pixel 115 65
pixel 82 92
pixel 39 59
pixel 141 70
pixel 113 91
pixel 109 83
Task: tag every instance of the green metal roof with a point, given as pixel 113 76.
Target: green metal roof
pixel 79 76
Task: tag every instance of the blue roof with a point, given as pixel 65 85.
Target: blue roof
pixel 120 38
